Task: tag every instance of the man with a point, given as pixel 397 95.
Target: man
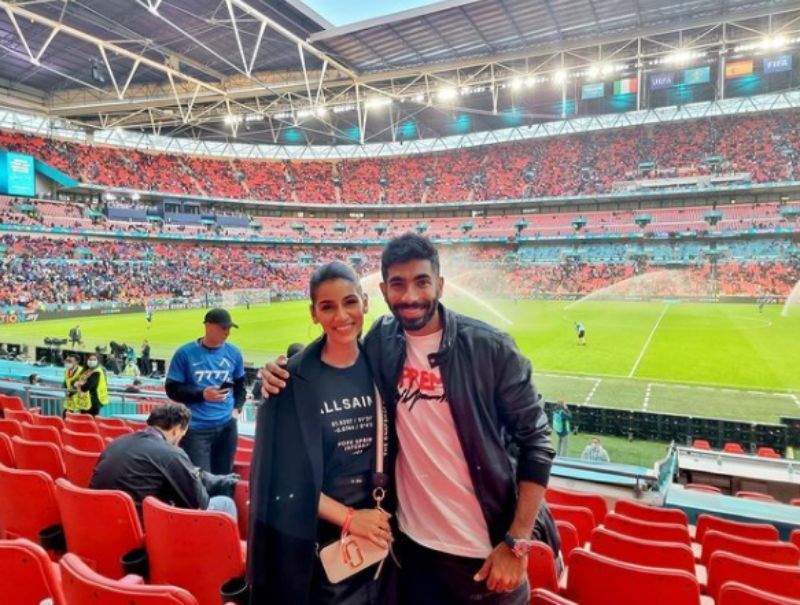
pixel 74 400
pixel 134 387
pixel 595 452
pixel 150 463
pixel 144 359
pixel 580 330
pixel 208 375
pixel 75 337
pixel 93 383
pixel 562 428
pixel 459 394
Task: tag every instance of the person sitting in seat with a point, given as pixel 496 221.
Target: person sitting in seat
pixel 150 463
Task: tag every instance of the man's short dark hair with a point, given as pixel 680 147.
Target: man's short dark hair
pixel 408 247
pixel 169 415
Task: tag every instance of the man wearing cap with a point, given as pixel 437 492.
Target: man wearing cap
pixel 207 374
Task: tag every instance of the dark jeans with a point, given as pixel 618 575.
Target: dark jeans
pixel 212 449
pixel 429 577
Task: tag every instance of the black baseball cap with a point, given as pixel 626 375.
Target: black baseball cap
pixel 221 317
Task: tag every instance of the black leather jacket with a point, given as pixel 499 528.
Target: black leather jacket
pixel 499 419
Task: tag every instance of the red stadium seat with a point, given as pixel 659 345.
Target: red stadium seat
pixel 724 567
pixel 656 514
pixel 12 428
pixel 767 452
pixel 755 496
pixel 241 496
pixel 111 422
pixel 542 567
pixel 597 580
pixel 27 503
pixel 581 518
pixel 701 444
pixel 18 415
pixel 28 576
pixel 647 530
pixel 767 551
pixel 86 442
pixel 112 432
pixel 244 455
pixel 794 538
pixel 795 502
pixel 666 555
pixel 39 456
pixel 13 403
pixel 733 448
pixel 208 541
pixel 734 593
pixel 754 531
pixel 84 586
pixel 568 536
pixel 100 526
pixel 79 424
pixel 596 504
pixel 136 425
pixel 699 487
pixel 44 420
pixel 540 596
pixel 41 434
pixel 79 465
pixel 7 451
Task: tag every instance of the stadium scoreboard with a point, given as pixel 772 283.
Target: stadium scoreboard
pixel 17 174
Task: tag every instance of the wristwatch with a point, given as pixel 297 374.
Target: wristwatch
pixel 519 546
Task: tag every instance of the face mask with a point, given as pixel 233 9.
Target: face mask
pixel 70 366
pixel 92 363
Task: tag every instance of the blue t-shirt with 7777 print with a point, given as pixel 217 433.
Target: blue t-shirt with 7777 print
pixel 199 366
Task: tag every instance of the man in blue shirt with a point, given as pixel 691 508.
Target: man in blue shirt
pixel 208 375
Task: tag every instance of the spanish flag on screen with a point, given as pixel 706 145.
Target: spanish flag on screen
pixel 737 69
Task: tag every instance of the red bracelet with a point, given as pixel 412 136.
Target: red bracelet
pixel 348 520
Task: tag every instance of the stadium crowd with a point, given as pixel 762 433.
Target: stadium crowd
pixel 580 164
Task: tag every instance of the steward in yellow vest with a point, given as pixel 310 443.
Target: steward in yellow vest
pixel 75 400
pixel 93 383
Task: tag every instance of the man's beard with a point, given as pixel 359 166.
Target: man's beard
pixel 412 325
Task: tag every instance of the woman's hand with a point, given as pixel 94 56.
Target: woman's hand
pixel 373 525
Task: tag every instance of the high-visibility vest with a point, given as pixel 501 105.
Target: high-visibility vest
pixel 102 385
pixel 77 401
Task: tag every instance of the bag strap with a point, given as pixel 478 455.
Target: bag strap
pixel 380 480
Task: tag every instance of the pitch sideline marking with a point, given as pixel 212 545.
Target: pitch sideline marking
pixel 647 396
pixel 647 342
pixel 796 400
pixel 591 393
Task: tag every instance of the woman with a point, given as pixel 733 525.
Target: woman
pixel 75 400
pixel 312 473
pixel 93 384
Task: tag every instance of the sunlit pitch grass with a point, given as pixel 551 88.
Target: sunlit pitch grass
pixel 722 360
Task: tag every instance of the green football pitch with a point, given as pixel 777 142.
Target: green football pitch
pixel 720 360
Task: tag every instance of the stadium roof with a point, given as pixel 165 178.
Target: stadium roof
pixel 270 71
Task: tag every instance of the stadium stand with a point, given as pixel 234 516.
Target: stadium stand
pixel 783 580
pixel 28 575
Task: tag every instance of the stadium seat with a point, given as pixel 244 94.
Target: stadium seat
pixel 794 538
pixel 753 531
pixel 100 526
pixel 27 503
pixel 38 456
pixel 28 576
pixel 12 428
pixel 755 496
pixel 647 530
pixel 597 580
pixel 13 403
pixel 41 434
pixel 735 593
pixel 699 487
pixel 666 555
pixel 244 455
pixel 568 536
pixel 542 567
pixel 84 586
pixel 79 424
pixel 656 514
pixel 87 442
pixel 79 465
pixel 136 425
pixel 724 567
pixel 6 451
pixel 795 502
pixel 18 415
pixel 540 596
pixel 112 432
pixel 596 504
pixel 208 541
pixel 45 420
pixel 112 422
pixel 241 495
pixel 767 551
pixel 701 444
pixel 581 518
pixel 767 452
pixel 733 448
